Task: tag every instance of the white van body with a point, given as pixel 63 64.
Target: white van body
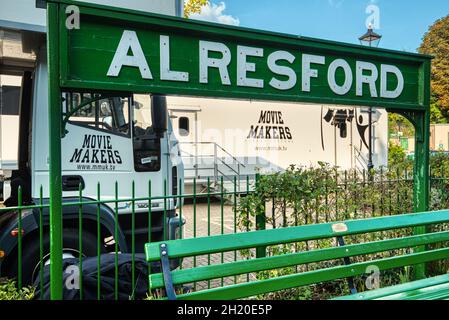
pixel 254 136
pixel 111 141
pixel 17 20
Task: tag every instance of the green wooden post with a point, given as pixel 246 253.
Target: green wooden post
pixel 54 121
pixel 422 162
pixel 421 172
pixel 421 179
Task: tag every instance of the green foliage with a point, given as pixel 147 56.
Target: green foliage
pixel 436 42
pixel 436 116
pixel 193 6
pixel 301 196
pixel 9 291
pixel 397 123
pixel 396 155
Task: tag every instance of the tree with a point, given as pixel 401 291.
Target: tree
pixel 396 155
pixel 436 42
pixel 193 6
pixel 436 116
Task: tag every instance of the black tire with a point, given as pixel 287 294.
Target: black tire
pixel 31 253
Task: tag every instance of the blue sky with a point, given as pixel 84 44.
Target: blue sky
pixel 402 22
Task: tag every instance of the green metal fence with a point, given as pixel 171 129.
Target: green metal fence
pixel 347 195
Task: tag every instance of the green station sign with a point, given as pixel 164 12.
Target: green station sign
pixel 130 51
pixel 158 54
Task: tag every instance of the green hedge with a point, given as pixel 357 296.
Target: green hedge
pixel 9 291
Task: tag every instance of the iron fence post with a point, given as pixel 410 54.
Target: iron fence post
pixel 215 165
pixel 260 222
pixel 54 121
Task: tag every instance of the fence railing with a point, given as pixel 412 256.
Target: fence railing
pixel 338 196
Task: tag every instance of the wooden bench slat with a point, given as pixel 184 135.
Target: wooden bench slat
pixel 393 290
pixel 249 289
pixel 285 260
pixel 229 242
pixel 438 292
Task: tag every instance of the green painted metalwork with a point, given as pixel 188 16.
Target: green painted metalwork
pixel 55 127
pixel 80 239
pixel 98 242
pixel 149 225
pixel 70 51
pixel 250 289
pixel 96 42
pixel 19 239
pixel 133 240
pixel 165 207
pixel 41 244
pixel 227 242
pixel 287 260
pixel 388 292
pixel 116 243
pixel 260 224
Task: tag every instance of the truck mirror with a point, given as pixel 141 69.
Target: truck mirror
pixel 159 114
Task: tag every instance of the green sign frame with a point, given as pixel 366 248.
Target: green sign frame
pixel 179 56
pixel 129 51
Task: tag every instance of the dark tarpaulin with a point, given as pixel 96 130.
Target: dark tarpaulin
pixel 107 278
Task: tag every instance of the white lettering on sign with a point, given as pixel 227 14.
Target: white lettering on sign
pixel 307 71
pixel 166 73
pixel 362 78
pixel 333 67
pixel 386 81
pixel 243 67
pixel 385 69
pixel 129 41
pixel 282 70
pixel 221 64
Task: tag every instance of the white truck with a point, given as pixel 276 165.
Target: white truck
pixel 109 140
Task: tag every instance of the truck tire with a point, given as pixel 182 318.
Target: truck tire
pixel 31 253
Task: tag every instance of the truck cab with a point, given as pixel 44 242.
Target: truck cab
pixel 114 146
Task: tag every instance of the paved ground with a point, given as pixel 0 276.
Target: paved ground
pixel 219 223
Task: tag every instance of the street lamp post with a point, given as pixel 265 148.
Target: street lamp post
pixel 370 38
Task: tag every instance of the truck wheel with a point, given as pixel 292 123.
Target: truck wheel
pixel 31 250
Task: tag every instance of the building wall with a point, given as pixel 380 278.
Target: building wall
pixel 441 137
pixel 229 123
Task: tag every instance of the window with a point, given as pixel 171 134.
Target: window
pixel 142 114
pixel 146 144
pixel 183 125
pixel 104 113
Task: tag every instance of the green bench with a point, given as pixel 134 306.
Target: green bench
pixel 431 288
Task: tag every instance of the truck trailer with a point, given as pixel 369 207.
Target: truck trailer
pixel 110 141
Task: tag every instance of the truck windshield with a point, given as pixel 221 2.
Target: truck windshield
pixel 106 113
pixel 142 114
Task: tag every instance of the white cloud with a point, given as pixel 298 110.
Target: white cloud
pixel 335 3
pixel 215 13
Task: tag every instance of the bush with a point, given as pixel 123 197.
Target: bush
pixel 396 155
pixel 301 196
pixel 9 291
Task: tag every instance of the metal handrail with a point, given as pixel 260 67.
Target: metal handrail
pixel 218 146
pixel 216 160
pixel 360 158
